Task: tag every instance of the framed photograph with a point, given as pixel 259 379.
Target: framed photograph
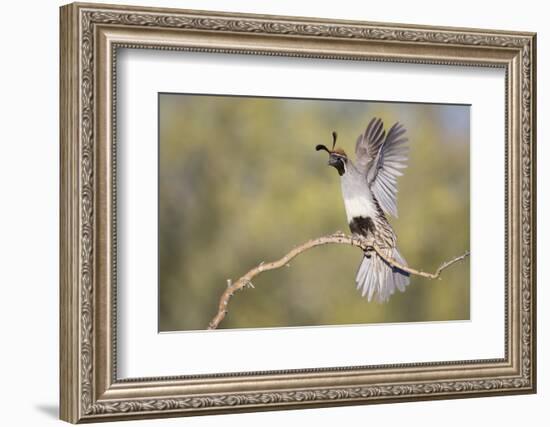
pixel 265 212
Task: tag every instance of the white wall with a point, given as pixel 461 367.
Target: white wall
pixel 29 169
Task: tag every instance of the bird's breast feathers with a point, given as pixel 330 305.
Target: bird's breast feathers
pixel 358 197
pixel 359 206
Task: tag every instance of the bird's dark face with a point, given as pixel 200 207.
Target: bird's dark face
pixel 336 158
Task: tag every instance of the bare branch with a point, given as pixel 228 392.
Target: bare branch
pixel 336 238
pixel 410 270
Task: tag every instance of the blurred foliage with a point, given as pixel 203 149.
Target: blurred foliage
pixel 241 183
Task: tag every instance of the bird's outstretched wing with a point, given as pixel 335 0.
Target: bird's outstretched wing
pixel 381 159
pixel 368 144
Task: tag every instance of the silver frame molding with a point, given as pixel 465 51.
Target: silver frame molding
pixel 90 37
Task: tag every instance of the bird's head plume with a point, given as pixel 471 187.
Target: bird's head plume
pixel 337 157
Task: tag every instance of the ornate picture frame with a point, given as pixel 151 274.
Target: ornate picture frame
pixel 90 37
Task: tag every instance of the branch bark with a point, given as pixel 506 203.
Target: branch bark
pixel 336 238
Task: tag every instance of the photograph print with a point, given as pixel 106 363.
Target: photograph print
pixel 288 212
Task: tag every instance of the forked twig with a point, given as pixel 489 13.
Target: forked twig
pixel 336 238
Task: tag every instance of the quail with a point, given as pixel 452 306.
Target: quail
pixel 369 190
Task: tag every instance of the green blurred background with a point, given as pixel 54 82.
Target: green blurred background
pixel 241 183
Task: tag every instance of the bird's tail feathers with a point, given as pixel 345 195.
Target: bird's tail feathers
pixel 377 279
